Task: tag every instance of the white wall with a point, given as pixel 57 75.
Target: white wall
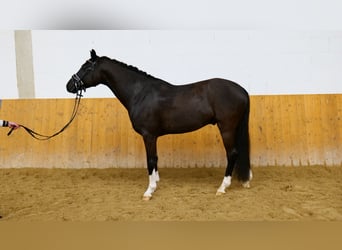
pixel 263 61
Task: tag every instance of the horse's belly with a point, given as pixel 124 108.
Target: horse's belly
pixel 174 124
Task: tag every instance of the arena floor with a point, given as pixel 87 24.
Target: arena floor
pixel 276 194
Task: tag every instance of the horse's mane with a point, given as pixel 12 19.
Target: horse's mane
pixel 133 68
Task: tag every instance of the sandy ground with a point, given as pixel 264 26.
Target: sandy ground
pixel 276 194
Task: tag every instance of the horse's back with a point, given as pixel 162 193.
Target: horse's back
pixel 208 94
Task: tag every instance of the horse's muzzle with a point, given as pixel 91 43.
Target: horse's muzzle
pixel 71 87
pixel 75 84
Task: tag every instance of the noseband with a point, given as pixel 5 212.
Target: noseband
pixel 78 83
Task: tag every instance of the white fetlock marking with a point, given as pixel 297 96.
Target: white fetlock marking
pixel 247 184
pixel 151 186
pixel 227 180
pixel 155 175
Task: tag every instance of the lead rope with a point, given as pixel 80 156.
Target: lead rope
pixel 42 137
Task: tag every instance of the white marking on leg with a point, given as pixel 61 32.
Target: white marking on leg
pixel 151 187
pixel 156 175
pixel 247 184
pixel 227 180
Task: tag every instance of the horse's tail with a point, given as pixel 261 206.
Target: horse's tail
pixel 242 165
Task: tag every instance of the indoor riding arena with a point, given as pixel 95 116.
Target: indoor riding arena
pixel 95 170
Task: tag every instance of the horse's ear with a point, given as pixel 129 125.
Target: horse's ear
pixel 93 55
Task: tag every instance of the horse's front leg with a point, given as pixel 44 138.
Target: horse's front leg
pixel 152 160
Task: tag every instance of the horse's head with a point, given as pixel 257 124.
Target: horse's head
pixel 87 76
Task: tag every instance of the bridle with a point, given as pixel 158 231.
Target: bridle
pixel 80 87
pixel 78 82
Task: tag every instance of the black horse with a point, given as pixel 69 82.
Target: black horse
pixel 156 108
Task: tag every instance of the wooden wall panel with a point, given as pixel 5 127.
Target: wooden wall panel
pixel 285 130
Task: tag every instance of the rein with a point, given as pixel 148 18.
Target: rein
pixel 42 137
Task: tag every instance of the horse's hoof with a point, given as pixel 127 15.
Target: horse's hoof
pixel 219 193
pixel 246 184
pixel 146 198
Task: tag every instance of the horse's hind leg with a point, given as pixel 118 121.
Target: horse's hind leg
pixel 246 183
pixel 228 139
pixel 231 157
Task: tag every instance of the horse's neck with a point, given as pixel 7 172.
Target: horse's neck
pixel 123 84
